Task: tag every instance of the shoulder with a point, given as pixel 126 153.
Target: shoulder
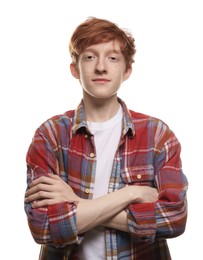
pixel 64 119
pixel 56 127
pixel 152 126
pixel 144 119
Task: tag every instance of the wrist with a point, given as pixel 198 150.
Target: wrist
pixel 127 194
pixel 80 200
pixel 132 194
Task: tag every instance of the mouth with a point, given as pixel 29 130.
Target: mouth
pixel 101 80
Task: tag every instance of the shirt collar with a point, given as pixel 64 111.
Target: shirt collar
pixel 79 120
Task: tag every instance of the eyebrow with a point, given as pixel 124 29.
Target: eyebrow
pixel 108 51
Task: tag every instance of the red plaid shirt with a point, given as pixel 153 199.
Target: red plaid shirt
pixel 148 154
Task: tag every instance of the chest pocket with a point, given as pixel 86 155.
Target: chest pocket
pixel 138 175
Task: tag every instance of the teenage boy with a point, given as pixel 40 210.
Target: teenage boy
pixel 104 182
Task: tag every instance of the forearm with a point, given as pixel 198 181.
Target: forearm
pixel 118 222
pixel 107 209
pixel 51 191
pixel 104 210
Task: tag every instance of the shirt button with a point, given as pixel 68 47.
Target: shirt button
pixel 139 176
pixel 87 191
pixel 91 155
pixel 86 136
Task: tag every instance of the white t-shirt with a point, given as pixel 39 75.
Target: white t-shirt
pixel 106 136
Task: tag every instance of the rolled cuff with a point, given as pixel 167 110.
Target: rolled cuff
pixel 142 222
pixel 62 221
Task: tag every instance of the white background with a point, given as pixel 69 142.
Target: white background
pixel 35 84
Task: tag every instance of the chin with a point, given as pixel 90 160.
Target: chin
pixel 104 96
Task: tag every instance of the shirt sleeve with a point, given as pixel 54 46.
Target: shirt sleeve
pixel 166 218
pixel 55 224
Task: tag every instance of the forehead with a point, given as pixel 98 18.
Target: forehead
pixel 111 46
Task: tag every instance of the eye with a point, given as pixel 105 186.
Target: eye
pixel 89 57
pixel 113 58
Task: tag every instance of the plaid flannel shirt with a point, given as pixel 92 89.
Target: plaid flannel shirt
pixel 148 154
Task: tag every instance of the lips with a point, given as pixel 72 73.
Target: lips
pixel 101 80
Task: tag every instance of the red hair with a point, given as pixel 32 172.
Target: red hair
pixel 94 31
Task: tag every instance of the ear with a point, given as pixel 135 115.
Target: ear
pixel 74 71
pixel 127 73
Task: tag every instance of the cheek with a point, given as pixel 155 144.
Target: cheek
pixel 85 71
pixel 119 72
pixel 120 77
pixel 85 79
pixel 84 76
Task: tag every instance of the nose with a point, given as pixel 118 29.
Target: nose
pixel 100 67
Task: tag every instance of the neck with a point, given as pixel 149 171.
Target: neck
pixel 100 110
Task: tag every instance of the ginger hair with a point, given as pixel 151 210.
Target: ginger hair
pixel 94 31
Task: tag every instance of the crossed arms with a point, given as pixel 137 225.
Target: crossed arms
pixel 106 210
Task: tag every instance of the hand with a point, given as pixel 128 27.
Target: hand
pixel 143 194
pixel 50 190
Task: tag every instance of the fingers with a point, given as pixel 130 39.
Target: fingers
pixel 43 203
pixel 48 188
pixel 43 183
pixel 154 195
pixel 144 194
pixel 43 179
pixel 38 189
pixel 40 195
pixel 54 176
pixel 150 194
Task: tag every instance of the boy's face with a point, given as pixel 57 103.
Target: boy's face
pixel 101 69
